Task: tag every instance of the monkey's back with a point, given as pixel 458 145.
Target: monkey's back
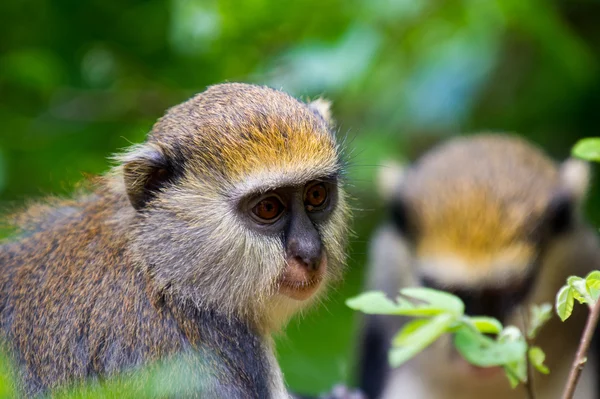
pixel 74 304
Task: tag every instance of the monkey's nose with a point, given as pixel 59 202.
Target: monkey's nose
pixel 306 250
pixel 310 263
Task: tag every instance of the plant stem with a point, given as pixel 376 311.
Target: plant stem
pixel 580 357
pixel 529 383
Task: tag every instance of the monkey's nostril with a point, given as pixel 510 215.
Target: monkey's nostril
pixel 311 264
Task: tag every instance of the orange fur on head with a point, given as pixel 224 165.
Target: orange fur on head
pixel 478 204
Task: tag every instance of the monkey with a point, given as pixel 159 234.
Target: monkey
pixel 492 219
pixel 201 243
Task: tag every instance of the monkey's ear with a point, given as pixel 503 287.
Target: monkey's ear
pixel 389 178
pixel 575 178
pixel 564 204
pixel 322 107
pixel 145 171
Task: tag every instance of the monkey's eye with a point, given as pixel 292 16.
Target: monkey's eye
pixel 268 209
pixel 315 197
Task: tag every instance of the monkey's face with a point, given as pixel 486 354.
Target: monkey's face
pixel 239 203
pixel 491 266
pixel 500 281
pixel 293 215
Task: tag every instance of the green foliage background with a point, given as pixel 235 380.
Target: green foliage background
pixel 80 80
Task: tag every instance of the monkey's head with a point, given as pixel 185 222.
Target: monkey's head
pixel 238 202
pixel 485 217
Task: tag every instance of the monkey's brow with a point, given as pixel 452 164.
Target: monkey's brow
pixel 260 185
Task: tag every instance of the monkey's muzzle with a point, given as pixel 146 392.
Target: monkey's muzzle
pixel 300 281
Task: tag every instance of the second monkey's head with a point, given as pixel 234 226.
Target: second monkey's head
pixel 238 202
pixel 489 217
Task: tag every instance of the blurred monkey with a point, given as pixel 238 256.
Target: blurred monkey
pixel 493 220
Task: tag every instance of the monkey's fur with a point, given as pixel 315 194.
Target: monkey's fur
pixel 491 218
pixel 156 260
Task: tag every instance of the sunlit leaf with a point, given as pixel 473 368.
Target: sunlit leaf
pixel 564 302
pixel 486 325
pixel 435 300
pixel 407 332
pixel 592 282
pixel 579 289
pixel 539 315
pixel 421 302
pixel 483 351
pixel 537 357
pixel 588 149
pixel 516 372
pixel 372 302
pixel 399 355
pixel 407 345
pixel 513 379
pixel 510 333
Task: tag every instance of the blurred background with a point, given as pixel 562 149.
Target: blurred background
pixel 80 80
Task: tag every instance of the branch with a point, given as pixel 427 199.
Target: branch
pixel 581 356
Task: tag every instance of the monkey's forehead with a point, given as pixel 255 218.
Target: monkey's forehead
pixel 239 131
pixel 509 163
pixel 481 193
pixel 484 233
pixel 478 216
pixel 272 158
pixel 478 224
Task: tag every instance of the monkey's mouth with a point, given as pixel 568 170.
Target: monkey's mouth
pixel 300 283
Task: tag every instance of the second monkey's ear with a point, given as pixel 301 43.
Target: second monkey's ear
pixel 389 179
pixel 575 178
pixel 322 107
pixel 145 171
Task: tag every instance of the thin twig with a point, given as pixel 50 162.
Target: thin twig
pixel 581 356
pixel 529 382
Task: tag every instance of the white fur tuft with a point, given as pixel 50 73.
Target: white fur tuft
pixel 389 178
pixel 323 108
pixel 575 177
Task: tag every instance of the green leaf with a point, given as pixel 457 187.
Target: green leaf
pixel 483 351
pixel 435 300
pixel 512 376
pixel 579 289
pixel 539 315
pixel 564 302
pixel 510 333
pixel 400 355
pixel 486 325
pixel 404 336
pixel 592 282
pixel 516 372
pixel 421 302
pixel 373 302
pixel 419 336
pixel 537 357
pixel 588 149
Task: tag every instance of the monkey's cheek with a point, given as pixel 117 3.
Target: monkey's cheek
pixel 299 283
